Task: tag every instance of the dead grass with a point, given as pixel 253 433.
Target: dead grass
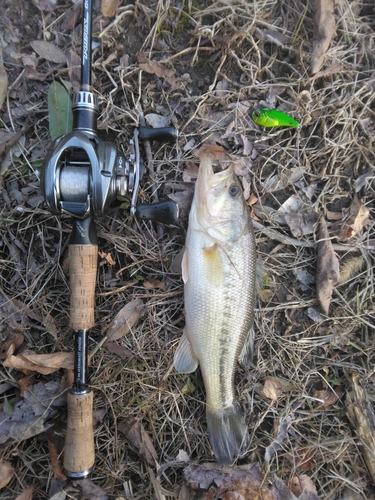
pixel 252 57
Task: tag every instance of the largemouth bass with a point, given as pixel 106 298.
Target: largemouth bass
pixel 218 269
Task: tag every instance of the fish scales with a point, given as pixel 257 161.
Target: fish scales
pixel 219 275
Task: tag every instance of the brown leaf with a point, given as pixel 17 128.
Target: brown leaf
pixel 239 483
pixel 272 388
pixel 190 172
pixel 55 448
pixel 125 319
pixel 108 258
pixel 217 153
pixel 158 69
pixel 324 29
pixel 331 70
pixel 6 473
pixel 27 494
pixel 151 284
pixel 302 484
pixel 13 340
pixel 26 383
pixel 41 363
pixel 109 8
pixel 119 350
pixel 356 218
pixel 48 51
pixel 328 397
pixel 3 84
pixel 328 269
pixel 138 438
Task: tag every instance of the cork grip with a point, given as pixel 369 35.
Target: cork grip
pixel 79 452
pixel 83 261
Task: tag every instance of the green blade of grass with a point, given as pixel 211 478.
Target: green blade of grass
pixel 60 110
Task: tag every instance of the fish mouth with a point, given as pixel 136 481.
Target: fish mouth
pixel 208 179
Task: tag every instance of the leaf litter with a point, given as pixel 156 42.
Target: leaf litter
pixel 205 68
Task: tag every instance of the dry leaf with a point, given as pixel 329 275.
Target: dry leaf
pixel 55 441
pixel 272 388
pixel 3 84
pixel 6 473
pixel 108 258
pixel 217 153
pixel 301 458
pixel 91 490
pixel 158 69
pixel 324 29
pixel 243 482
pixel 151 284
pixel 138 438
pixel 13 340
pixel 360 412
pixel 327 397
pixel 125 319
pixel 331 70
pixel 109 8
pixel 48 51
pixel 281 435
pixel 302 484
pixel 27 494
pixel 156 121
pixel 190 172
pixel 26 383
pixel 300 223
pixel 356 219
pixel 41 363
pixel 119 350
pixel 328 269
pixel 30 414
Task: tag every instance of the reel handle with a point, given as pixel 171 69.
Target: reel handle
pixel 163 134
pixel 165 212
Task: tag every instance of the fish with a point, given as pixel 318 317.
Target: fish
pixel 218 270
pixel 273 118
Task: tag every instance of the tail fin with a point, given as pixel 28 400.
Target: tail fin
pixel 228 433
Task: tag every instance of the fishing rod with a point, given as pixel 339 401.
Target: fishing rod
pixel 81 176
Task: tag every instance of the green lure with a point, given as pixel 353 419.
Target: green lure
pixel 273 118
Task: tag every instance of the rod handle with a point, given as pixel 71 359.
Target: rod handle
pixel 79 452
pixel 83 263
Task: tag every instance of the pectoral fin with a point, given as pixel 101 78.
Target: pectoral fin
pixel 214 268
pixel 185 360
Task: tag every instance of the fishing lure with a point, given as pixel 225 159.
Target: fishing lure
pixel 273 118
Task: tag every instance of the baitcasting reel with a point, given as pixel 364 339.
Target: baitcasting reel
pixel 82 174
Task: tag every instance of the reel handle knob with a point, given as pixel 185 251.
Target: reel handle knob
pixel 163 134
pixel 165 212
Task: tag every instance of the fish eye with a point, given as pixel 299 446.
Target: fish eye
pixel 257 113
pixel 234 190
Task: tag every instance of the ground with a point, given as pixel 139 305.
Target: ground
pixel 220 61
